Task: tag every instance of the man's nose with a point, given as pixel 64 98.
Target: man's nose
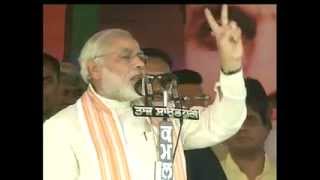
pixel 138 63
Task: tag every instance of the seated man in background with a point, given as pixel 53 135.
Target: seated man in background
pixel 271 142
pixel 244 156
pixel 51 71
pixel 202 164
pixel 71 85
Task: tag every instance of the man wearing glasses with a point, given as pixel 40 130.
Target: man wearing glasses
pixel 189 88
pixel 99 137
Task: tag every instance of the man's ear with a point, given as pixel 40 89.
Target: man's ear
pixel 94 70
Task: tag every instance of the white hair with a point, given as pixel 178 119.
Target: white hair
pixel 97 45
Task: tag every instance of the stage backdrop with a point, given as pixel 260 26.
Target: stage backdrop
pixel 181 30
pixel 54 21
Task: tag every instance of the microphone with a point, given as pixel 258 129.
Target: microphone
pixel 145 87
pixel 138 87
pixel 165 102
pixel 165 98
pixel 151 86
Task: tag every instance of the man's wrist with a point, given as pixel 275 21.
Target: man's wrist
pixel 231 72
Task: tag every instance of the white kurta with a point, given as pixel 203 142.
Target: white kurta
pixel 68 153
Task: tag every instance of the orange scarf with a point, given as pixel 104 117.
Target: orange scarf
pixel 109 146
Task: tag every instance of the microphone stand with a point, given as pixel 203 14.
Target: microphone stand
pixel 166 144
pixel 166 155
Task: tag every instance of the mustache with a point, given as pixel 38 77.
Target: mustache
pixel 137 77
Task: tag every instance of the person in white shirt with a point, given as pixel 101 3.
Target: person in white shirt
pixel 99 137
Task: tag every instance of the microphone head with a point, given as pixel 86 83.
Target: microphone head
pixel 167 80
pixel 152 87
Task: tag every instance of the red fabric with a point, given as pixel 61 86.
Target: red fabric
pixel 54 30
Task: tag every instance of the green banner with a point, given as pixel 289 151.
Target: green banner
pixel 83 21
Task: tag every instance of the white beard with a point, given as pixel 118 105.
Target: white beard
pixel 114 87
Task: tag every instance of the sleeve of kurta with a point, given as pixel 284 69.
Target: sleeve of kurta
pixel 59 161
pixel 220 120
